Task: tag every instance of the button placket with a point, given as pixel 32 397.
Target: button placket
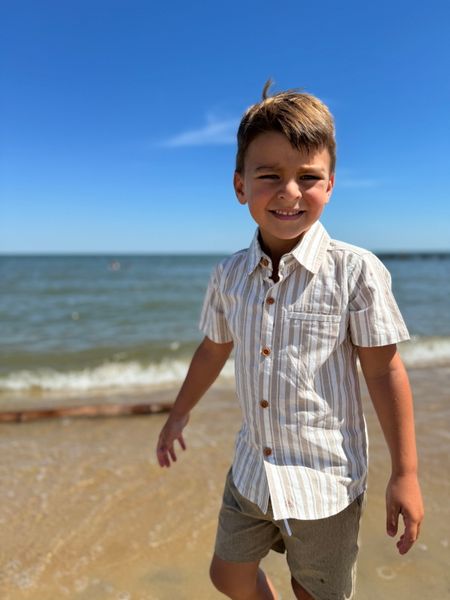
pixel 269 306
pixel 267 270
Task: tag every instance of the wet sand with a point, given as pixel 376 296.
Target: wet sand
pixel 86 513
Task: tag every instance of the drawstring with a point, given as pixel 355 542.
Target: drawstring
pixel 288 529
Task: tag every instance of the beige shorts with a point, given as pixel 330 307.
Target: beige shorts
pixel 321 553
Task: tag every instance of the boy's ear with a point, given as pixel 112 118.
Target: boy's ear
pixel 238 183
pixel 330 187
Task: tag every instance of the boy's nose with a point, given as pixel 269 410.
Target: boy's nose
pixel 290 190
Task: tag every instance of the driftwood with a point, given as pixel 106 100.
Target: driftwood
pixel 97 410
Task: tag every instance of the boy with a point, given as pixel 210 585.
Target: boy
pixel 299 308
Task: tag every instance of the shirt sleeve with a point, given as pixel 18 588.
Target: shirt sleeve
pixel 375 319
pixel 213 322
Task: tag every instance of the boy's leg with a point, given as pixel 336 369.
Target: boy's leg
pixel 300 593
pixel 244 536
pixel 322 554
pixel 241 581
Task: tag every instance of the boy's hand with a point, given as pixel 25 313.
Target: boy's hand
pixel 171 431
pixel 403 497
pixel 206 364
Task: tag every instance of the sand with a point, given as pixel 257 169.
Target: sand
pixel 86 512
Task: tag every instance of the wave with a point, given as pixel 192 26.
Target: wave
pixel 109 376
pixel 136 375
pixel 422 352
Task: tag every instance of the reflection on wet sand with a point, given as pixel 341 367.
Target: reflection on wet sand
pixel 86 512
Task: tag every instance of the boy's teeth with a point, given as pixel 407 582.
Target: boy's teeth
pixel 287 212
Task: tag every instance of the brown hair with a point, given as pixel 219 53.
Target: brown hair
pixel 304 119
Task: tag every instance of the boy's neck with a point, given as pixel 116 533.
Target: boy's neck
pixel 276 249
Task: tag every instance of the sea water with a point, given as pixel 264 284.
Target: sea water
pixel 74 324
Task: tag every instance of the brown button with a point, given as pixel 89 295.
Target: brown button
pixel 263 403
pixel 267 451
pixel 264 262
pixel 270 300
pixel 266 351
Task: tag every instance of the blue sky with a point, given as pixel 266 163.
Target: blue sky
pixel 118 119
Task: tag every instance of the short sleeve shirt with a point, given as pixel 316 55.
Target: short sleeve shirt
pixel 303 440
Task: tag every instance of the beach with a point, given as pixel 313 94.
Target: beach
pixel 87 513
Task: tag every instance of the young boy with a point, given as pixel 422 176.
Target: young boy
pixel 299 308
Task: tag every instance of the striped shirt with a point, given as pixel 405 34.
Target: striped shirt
pixel 303 440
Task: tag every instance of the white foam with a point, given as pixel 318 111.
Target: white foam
pixel 419 352
pixel 118 375
pixel 426 351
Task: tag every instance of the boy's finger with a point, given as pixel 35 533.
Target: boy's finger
pixel 409 536
pixel 161 453
pixel 172 454
pixel 162 458
pixel 404 545
pixel 392 513
pixel 182 442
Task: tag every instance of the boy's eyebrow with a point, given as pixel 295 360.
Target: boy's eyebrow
pixel 267 167
pixel 277 166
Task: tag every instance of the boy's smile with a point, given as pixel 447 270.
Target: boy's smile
pixel 287 215
pixel 286 189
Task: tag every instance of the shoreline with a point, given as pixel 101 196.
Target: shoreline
pixel 125 374
pixel 160 392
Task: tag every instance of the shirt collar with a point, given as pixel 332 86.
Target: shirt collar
pixel 309 252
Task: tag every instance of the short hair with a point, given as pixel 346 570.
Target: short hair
pixel 304 119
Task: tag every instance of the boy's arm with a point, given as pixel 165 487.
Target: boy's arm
pixel 206 364
pixel 388 385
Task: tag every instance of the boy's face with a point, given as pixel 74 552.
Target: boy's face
pixel 285 189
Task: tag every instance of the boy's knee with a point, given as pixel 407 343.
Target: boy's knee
pixel 299 591
pixel 222 581
pixel 234 585
pixel 216 576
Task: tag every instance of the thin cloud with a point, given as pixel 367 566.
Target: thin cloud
pixel 215 132
pixel 358 183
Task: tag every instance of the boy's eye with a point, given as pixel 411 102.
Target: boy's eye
pixel 309 177
pixel 302 177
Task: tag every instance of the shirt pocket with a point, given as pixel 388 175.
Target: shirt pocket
pixel 313 317
pixel 313 338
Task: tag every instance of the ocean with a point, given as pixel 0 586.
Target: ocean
pixel 74 324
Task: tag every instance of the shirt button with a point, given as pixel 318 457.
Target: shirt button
pixel 270 300
pixel 267 451
pixel 265 351
pixel 263 403
pixel 264 262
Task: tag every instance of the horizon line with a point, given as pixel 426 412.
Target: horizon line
pixel 187 252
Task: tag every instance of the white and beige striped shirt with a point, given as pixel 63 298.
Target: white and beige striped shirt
pixel 303 440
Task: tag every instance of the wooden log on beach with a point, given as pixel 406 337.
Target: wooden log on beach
pixel 95 410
